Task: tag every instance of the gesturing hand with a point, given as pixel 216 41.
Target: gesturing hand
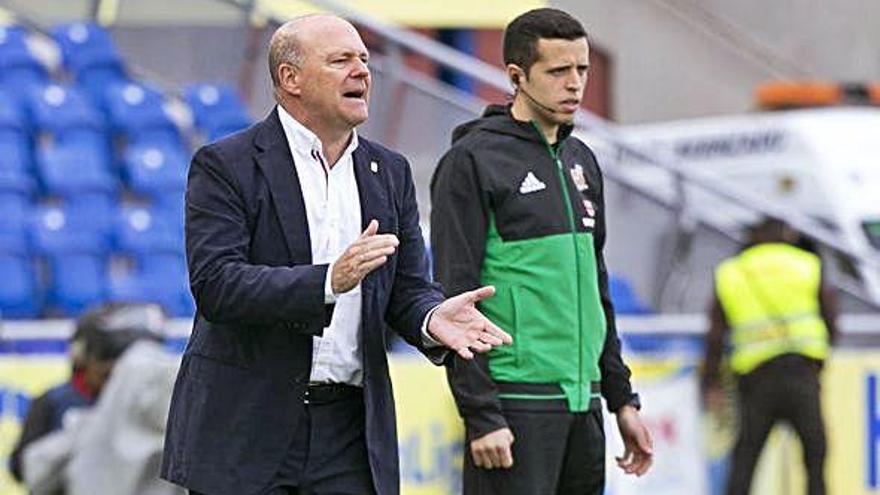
pixel 368 252
pixel 457 324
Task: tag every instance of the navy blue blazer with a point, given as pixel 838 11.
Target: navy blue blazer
pixel 239 391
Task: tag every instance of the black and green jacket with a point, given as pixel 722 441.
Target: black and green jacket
pixel 512 211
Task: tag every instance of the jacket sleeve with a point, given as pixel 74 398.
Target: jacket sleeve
pixel 413 295
pixel 228 288
pixel 616 387
pixel 459 218
pixel 37 424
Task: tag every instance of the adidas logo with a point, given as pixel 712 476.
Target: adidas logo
pixel 531 184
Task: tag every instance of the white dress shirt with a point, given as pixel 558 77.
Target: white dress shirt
pixel 333 209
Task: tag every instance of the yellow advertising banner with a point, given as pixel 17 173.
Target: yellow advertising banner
pixel 428 428
pixel 430 431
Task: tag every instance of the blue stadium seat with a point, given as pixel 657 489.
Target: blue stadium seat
pixel 90 55
pixel 58 109
pixel 15 147
pixel 84 45
pixel 171 206
pixel 19 69
pixel 15 164
pixel 136 112
pixel 624 297
pixel 158 278
pixel 152 169
pixel 69 168
pixel 217 109
pixel 78 281
pixel 83 225
pixel 12 115
pixel 19 292
pixel 16 210
pixel 221 130
pixel 144 231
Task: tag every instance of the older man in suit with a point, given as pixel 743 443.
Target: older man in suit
pixel 303 243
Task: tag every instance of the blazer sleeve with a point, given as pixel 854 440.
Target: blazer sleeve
pixel 459 218
pixel 616 387
pixel 413 295
pixel 228 288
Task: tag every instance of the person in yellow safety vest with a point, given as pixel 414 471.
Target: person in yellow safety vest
pixel 781 318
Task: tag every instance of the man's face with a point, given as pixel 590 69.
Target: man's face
pixel 96 373
pixel 558 78
pixel 334 76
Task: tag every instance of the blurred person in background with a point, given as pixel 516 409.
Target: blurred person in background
pixel 517 202
pixel 101 336
pixel 303 243
pixel 781 318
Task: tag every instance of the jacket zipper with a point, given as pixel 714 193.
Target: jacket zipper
pixel 570 213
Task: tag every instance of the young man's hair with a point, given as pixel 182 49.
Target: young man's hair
pixel 522 34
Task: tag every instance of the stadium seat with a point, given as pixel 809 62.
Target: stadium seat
pixel 78 281
pixel 217 109
pixel 15 165
pixel 74 168
pixel 624 297
pixel 83 225
pixel 19 292
pixel 157 278
pixel 16 210
pixel 136 112
pixel 90 55
pixel 154 168
pixel 58 109
pixel 84 45
pixel 217 132
pixel 172 205
pixel 19 69
pixel 144 231
pixel 15 147
pixel 12 115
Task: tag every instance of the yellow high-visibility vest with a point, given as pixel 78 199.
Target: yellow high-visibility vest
pixel 770 296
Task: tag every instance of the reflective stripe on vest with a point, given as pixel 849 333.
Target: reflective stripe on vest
pixel 770 297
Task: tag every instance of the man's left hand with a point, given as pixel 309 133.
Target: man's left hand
pixel 457 324
pixel 638 452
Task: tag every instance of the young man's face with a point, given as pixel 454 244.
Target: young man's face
pixel 558 78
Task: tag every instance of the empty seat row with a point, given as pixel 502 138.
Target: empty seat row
pixel 94 225
pixel 75 282
pixel 85 165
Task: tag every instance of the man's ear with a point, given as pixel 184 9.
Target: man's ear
pixel 516 75
pixel 289 79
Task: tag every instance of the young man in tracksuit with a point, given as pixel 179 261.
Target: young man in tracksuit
pixel 518 203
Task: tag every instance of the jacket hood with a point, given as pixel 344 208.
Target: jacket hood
pixel 498 119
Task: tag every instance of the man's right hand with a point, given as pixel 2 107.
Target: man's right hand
pixel 492 450
pixel 368 252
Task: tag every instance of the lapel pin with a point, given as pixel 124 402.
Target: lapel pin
pixel 374 167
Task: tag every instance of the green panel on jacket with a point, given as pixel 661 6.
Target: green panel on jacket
pixel 553 312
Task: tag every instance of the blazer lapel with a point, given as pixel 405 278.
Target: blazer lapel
pixel 276 162
pixel 368 173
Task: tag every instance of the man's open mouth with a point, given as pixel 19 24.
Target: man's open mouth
pixel 357 93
